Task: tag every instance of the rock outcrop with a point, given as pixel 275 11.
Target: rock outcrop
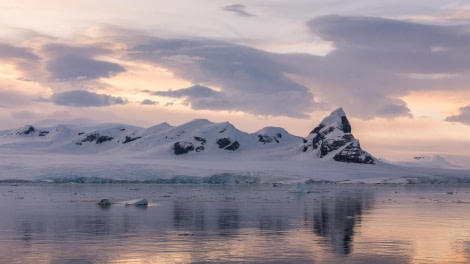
pixel 333 138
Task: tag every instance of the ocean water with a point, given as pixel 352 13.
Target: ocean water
pixel 62 223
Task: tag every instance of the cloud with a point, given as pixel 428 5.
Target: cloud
pixel 79 98
pixel 200 98
pixel 8 52
pixel 74 68
pixel 12 99
pixel 148 102
pixel 376 60
pixel 23 59
pixel 237 9
pixel 247 79
pixel 75 63
pixel 24 115
pixel 392 110
pixel 81 50
pixel 196 91
pixel 463 116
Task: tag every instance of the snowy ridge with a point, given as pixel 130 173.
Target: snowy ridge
pixel 201 151
pixel 427 161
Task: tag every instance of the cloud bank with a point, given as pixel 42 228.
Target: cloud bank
pixel 376 61
pixel 200 97
pixel 374 64
pixel 75 63
pixel 463 117
pixel 246 79
pixel 79 98
pixel 74 68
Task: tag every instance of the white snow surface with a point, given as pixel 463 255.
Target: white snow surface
pixel 62 153
pixel 427 161
pixel 334 119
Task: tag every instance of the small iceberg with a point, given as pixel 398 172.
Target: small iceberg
pixel 104 202
pixel 137 202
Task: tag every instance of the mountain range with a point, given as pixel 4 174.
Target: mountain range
pixel 331 139
pixel 199 149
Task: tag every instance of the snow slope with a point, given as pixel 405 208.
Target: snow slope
pixel 201 151
pixel 427 161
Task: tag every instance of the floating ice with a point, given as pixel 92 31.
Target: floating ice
pixel 138 202
pixel 104 202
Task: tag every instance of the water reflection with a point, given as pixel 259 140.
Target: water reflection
pixel 335 219
pixel 188 215
pixel 228 221
pixel 258 225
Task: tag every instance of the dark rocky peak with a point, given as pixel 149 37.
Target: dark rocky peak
pixel 271 135
pixel 336 120
pixel 333 138
pixel 26 130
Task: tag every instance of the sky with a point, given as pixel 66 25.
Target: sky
pixel 399 69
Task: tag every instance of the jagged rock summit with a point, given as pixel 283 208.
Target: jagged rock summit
pixel 333 138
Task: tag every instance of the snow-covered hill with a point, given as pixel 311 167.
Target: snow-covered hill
pixel 194 151
pixel 427 161
pixel 332 139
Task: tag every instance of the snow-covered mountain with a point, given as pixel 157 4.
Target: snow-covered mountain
pixel 332 139
pixel 427 161
pixel 200 151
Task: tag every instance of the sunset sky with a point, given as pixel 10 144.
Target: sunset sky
pixel 400 69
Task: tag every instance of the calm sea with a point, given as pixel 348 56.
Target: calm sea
pixel 61 223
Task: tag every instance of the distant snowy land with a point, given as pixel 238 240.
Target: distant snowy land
pixel 204 152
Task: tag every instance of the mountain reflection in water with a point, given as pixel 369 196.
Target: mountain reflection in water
pixel 216 224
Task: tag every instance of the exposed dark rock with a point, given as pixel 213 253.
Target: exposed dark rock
pixel 329 145
pixel 234 146
pixel 223 142
pixel 333 135
pixel 43 133
pixel 199 149
pixel 182 147
pixel 96 137
pixel 26 130
pixel 268 139
pixel 130 139
pixel 80 133
pixel 223 130
pixel 31 129
pixel 317 129
pixel 227 144
pixel 102 139
pixel 354 154
pixel 200 139
pixel 346 125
